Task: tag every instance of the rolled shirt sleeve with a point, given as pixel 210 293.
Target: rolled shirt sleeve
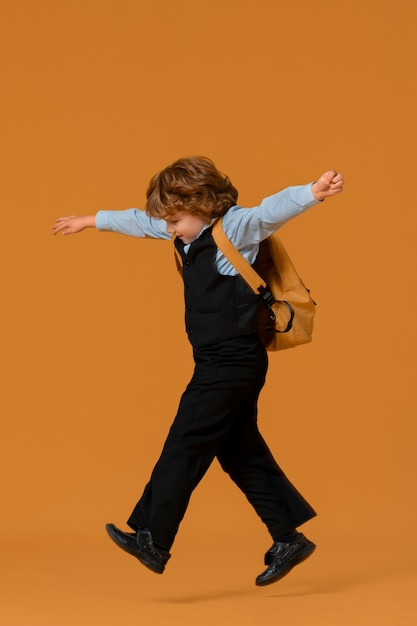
pixel 132 222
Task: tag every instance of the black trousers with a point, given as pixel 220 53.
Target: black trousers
pixel 217 417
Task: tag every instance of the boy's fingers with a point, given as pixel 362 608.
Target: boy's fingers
pixel 62 219
pixel 330 175
pixel 327 177
pixel 61 223
pixel 56 229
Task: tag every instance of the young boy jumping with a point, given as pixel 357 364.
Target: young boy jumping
pixel 217 413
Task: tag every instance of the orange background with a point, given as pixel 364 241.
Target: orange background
pixel 97 96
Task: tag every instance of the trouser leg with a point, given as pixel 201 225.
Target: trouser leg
pixel 205 415
pixel 245 456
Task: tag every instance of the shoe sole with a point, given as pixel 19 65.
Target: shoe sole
pixel 142 558
pixel 302 556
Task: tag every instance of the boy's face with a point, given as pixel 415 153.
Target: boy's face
pixel 185 225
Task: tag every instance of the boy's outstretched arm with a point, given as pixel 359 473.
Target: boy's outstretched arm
pixel 73 224
pixel 329 184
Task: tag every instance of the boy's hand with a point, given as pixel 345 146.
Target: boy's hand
pixel 73 224
pixel 329 184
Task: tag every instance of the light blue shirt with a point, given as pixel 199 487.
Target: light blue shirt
pixel 246 228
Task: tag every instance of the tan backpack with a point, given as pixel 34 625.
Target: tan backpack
pixel 286 311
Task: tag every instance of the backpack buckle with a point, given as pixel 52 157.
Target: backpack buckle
pixel 267 296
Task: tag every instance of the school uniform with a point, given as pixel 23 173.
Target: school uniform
pixel 217 414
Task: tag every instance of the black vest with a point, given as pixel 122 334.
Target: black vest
pixel 217 307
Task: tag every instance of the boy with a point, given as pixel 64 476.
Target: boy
pixel 217 414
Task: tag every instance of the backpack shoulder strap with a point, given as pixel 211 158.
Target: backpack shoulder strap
pixel 252 278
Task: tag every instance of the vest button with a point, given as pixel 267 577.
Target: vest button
pixel 187 285
pixel 188 307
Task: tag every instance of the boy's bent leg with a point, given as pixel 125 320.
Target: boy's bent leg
pixel 205 415
pixel 245 456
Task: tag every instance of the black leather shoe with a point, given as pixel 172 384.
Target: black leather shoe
pixel 282 557
pixel 141 546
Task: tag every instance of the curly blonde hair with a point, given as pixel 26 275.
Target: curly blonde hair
pixel 191 184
